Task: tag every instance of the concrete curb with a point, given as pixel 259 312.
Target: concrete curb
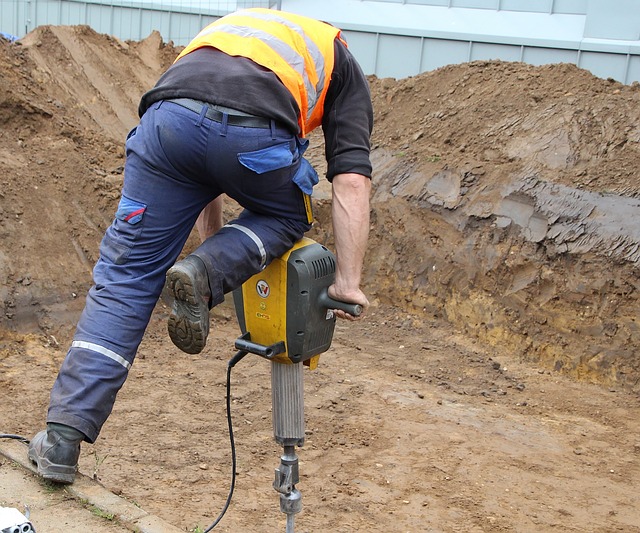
pixel 92 492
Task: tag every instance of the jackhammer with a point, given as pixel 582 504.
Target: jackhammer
pixel 286 317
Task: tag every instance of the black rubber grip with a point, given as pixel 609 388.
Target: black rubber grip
pixel 326 301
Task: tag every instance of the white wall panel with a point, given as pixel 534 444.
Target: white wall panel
pixel 440 52
pixel 633 71
pixel 604 65
pixel 73 13
pixel 546 56
pixel 363 46
pixel 489 51
pixel 397 56
pixel 46 11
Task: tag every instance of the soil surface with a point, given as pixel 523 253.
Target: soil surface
pixel 493 385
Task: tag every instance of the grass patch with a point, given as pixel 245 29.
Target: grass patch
pixel 100 513
pixel 49 486
pixel 96 511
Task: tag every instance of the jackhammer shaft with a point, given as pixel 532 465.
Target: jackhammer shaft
pixel 287 396
pixel 287 390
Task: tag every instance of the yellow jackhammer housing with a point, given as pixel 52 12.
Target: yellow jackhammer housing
pixel 286 316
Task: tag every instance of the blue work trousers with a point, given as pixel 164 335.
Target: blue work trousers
pixel 177 161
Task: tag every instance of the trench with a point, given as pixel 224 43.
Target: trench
pixel 545 273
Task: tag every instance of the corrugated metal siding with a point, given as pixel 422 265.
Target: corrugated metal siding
pixel 570 7
pixel 400 39
pixel 390 38
pixel 176 20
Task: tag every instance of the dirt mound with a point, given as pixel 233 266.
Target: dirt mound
pixel 503 191
pixel 96 77
pixel 557 122
pixel 69 97
pixel 516 189
pixel 515 186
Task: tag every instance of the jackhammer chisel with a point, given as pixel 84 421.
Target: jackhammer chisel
pixel 286 316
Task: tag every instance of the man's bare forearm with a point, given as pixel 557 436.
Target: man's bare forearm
pixel 350 215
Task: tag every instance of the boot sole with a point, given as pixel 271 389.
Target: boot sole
pixel 188 322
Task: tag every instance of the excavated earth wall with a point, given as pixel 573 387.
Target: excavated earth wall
pixel 510 205
pixel 545 271
pixel 506 196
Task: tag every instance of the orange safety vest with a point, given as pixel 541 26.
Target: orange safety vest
pixel 299 50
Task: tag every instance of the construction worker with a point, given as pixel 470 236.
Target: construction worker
pixel 231 116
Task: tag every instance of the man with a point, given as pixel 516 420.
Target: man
pixel 230 116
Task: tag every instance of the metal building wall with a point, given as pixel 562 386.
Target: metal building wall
pixel 390 38
pixel 400 38
pixel 176 20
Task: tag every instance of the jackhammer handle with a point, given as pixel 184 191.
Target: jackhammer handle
pixel 326 301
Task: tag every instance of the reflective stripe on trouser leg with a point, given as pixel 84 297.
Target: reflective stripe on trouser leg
pixel 92 399
pixel 244 247
pixel 259 244
pixel 102 350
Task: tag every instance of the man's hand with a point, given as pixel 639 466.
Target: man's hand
pixel 350 217
pixel 356 297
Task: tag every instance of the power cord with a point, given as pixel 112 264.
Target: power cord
pixel 232 362
pixel 24 440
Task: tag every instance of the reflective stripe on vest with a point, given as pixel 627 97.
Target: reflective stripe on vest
pixel 299 50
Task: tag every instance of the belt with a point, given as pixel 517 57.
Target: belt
pixel 216 113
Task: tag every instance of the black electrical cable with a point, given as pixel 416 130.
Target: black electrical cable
pixel 24 440
pixel 232 362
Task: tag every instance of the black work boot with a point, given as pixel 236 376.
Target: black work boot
pixel 188 284
pixel 55 452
